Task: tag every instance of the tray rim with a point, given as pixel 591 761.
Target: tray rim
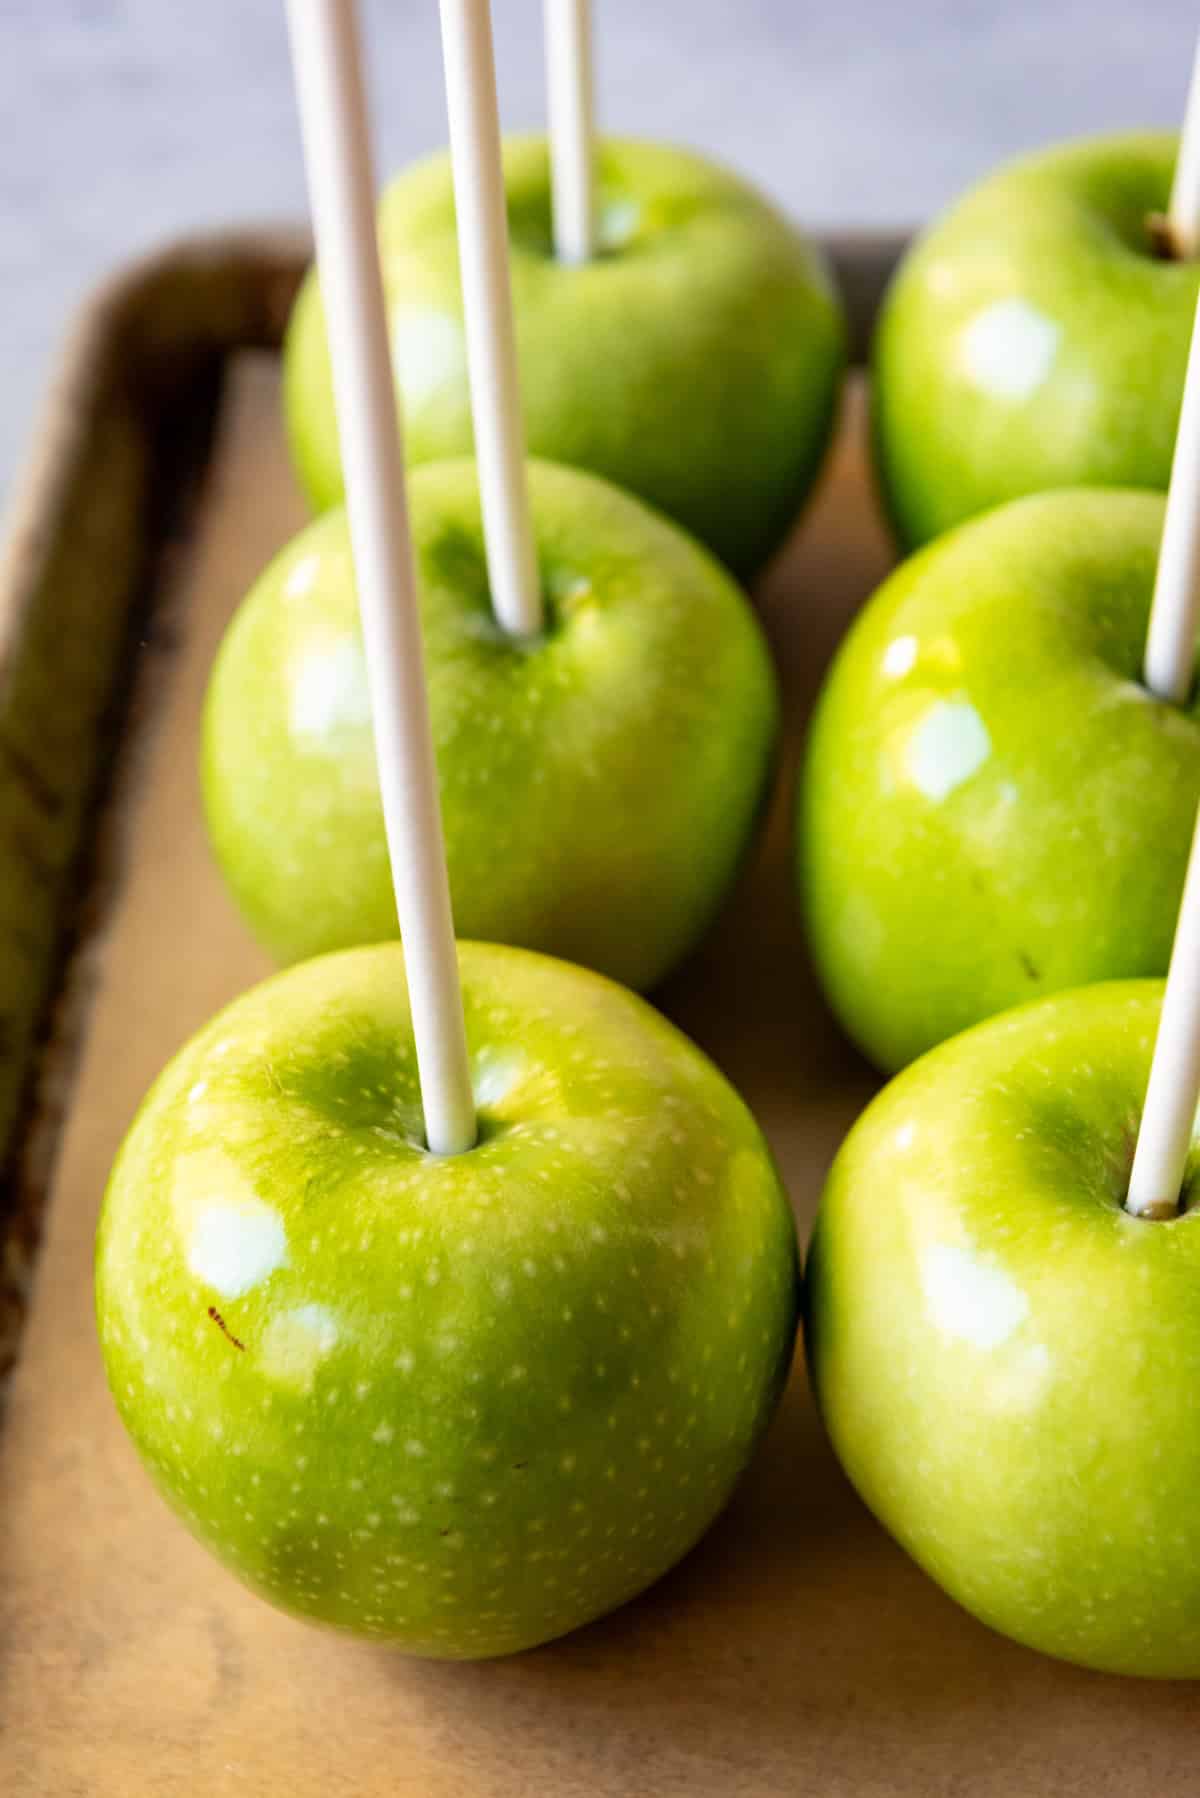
pixel 107 318
pixel 131 359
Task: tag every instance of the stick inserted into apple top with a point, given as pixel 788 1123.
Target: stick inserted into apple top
pixel 1183 209
pixel 1169 1114
pixel 487 305
pixel 571 107
pixel 327 65
pixel 1170 662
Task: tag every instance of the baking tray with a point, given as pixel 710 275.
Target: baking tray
pixel 796 1650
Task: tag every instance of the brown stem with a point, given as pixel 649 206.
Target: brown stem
pixel 1164 242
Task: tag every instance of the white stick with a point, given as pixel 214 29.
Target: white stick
pixel 570 92
pixel 333 117
pixel 1170 663
pixel 487 303
pixel 1169 1114
pixel 1183 210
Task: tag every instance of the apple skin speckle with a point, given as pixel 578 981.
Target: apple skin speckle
pixel 480 1465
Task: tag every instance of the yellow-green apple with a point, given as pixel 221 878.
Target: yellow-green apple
pixel 599 784
pixel 461 1403
pixel 1035 338
pixel 993 806
pixel 695 360
pixel 1005 1358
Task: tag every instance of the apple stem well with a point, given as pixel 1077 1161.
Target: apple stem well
pixel 1169 1114
pixel 571 109
pixel 1170 661
pixel 482 213
pixel 330 92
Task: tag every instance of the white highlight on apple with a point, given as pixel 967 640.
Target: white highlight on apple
pixel 1019 1382
pixel 234 1245
pixel 428 351
pixel 494 1079
pixel 899 657
pixel 968 1299
pixel 947 747
pixel 1008 349
pixel 303 577
pixel 296 1342
pixel 331 692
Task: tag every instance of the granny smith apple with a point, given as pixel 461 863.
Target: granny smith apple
pixel 695 360
pixel 1005 1359
pixel 599 785
pixel 992 805
pixel 462 1403
pixel 1035 338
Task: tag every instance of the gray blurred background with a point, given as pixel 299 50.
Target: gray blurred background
pixel 130 121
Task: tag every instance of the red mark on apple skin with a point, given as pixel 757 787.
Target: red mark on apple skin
pixel 223 1326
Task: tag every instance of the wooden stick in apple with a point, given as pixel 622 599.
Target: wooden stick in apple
pixel 333 116
pixel 571 107
pixel 1170 662
pixel 487 305
pixel 1183 208
pixel 1169 1114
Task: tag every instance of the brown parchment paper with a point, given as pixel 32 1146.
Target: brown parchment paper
pixel 795 1652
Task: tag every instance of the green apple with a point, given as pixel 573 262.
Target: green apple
pixel 992 806
pixel 696 360
pixel 599 785
pixel 1005 1359
pixel 1033 338
pixel 461 1403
